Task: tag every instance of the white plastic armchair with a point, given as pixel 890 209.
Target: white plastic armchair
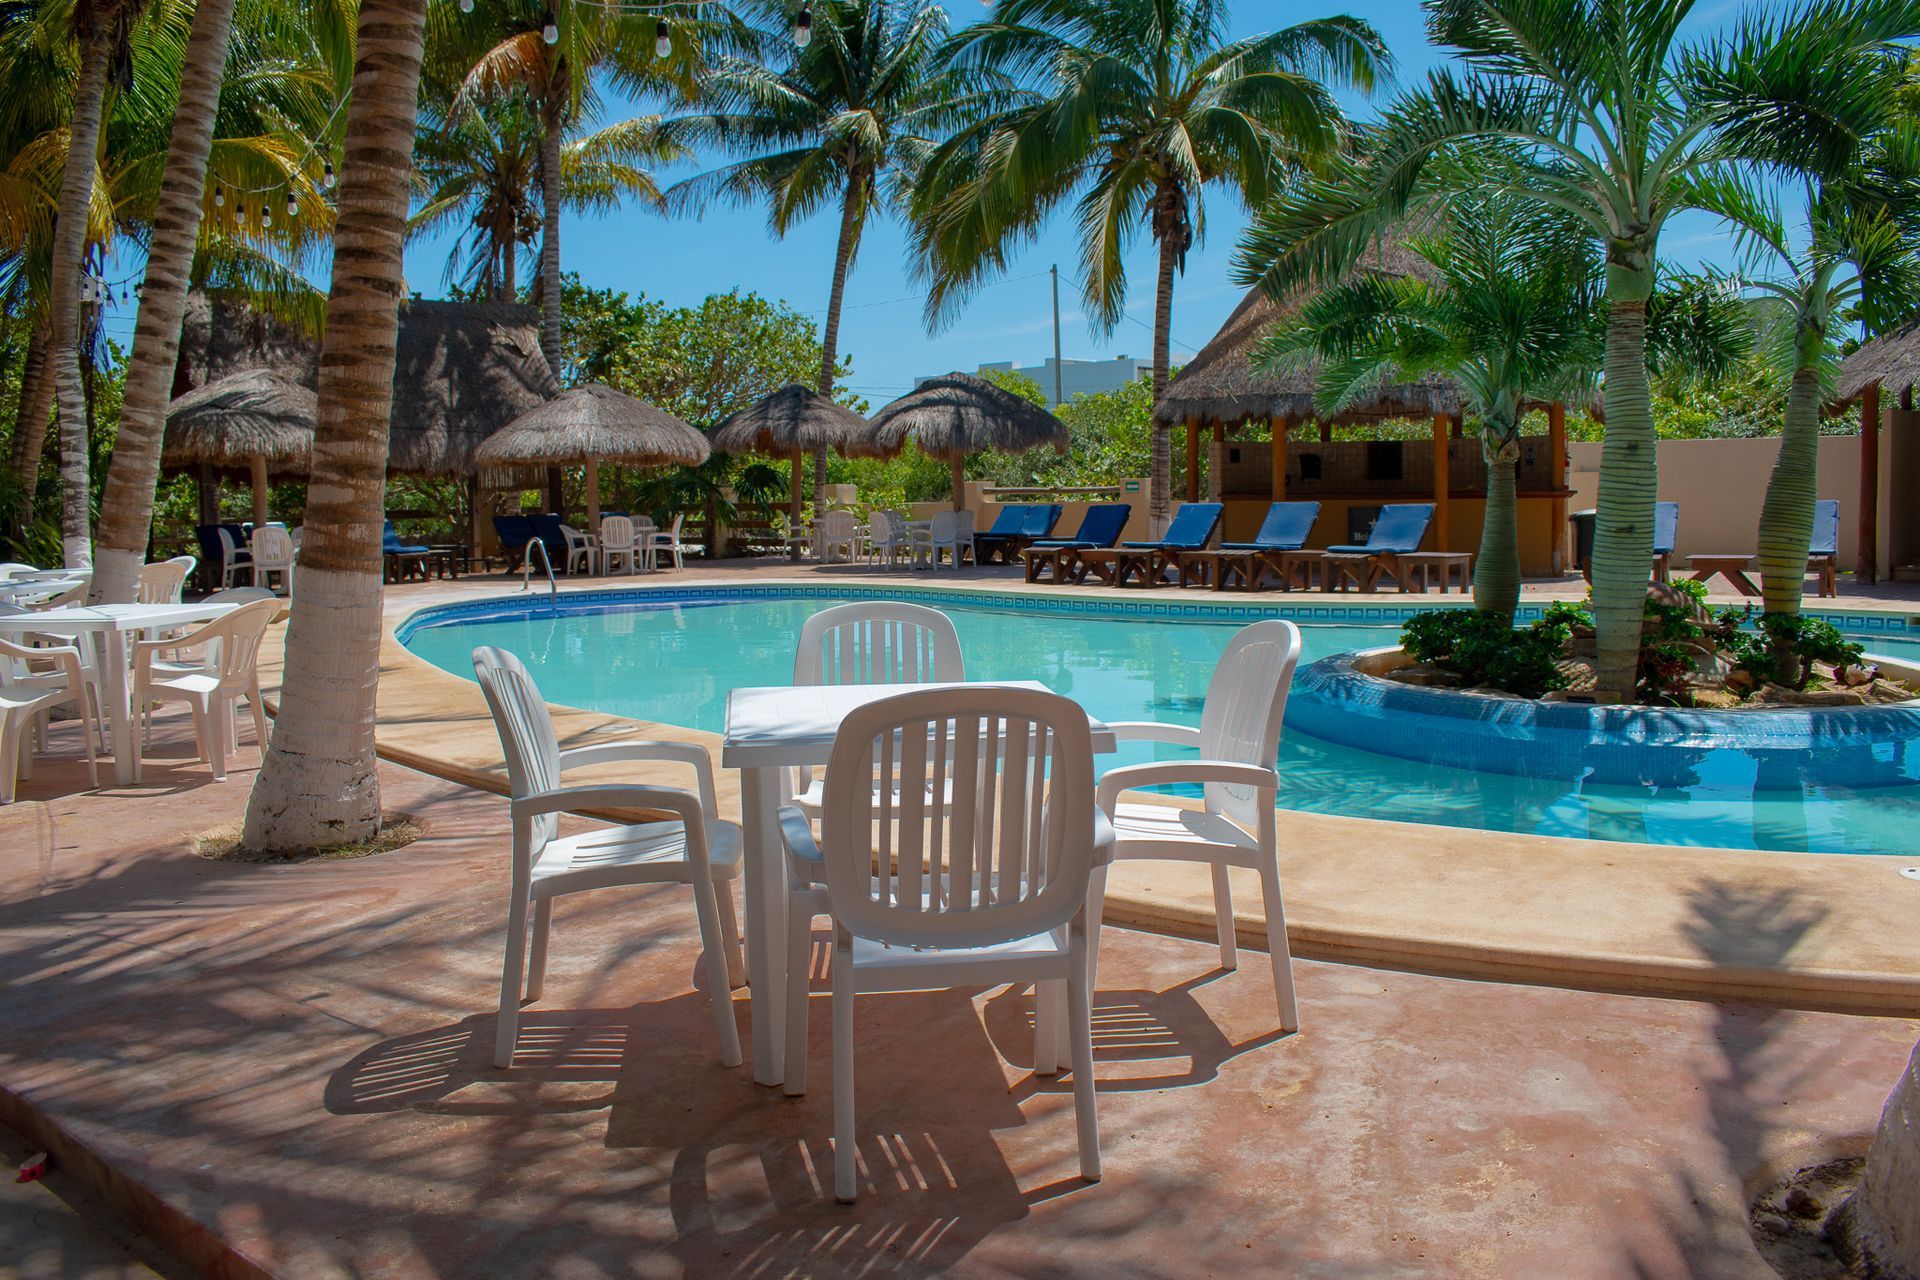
pixel 220 664
pixel 835 537
pixel 580 549
pixel 946 899
pixel 694 847
pixel 948 531
pixel 668 544
pixel 162 582
pixel 32 682
pixel 619 544
pixel 272 549
pixel 888 538
pixel 1238 740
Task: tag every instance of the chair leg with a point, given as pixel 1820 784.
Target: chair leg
pixel 11 728
pixel 1049 1006
pixel 713 951
pixel 1080 1016
pixel 730 934
pixel 800 912
pixel 259 714
pixel 216 718
pixel 1096 909
pixel 1223 918
pixel 1277 948
pixel 86 737
pixel 508 1032
pixel 846 1167
pixel 537 964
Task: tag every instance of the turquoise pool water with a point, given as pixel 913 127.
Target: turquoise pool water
pixel 675 662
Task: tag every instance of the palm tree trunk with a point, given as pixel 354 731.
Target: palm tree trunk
pixel 550 345
pixel 126 507
pixel 1162 480
pixel 1623 532
pixel 1496 569
pixel 1786 517
pixel 850 206
pixel 30 422
pixel 1885 1212
pixel 69 252
pixel 318 784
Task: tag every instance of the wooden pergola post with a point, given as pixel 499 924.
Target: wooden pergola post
pixel 1214 481
pixel 1866 565
pixel 1441 482
pixel 1193 460
pixel 1279 461
pixel 593 497
pixel 209 486
pixel 793 509
pixel 1557 477
pixel 1326 432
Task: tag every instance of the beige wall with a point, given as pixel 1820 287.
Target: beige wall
pixel 1720 484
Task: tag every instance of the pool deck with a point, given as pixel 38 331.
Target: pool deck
pixel 1807 931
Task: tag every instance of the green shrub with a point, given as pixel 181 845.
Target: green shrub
pixel 1781 647
pixel 1485 652
pixel 1671 641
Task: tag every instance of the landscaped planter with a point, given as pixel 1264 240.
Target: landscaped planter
pixel 1344 700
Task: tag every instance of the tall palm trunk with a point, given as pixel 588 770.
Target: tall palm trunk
pixel 30 421
pixel 126 507
pixel 1885 1211
pixel 69 251
pixel 1623 530
pixel 550 116
pixel 1496 569
pixel 1162 465
pixel 318 784
pixel 1786 516
pixel 851 204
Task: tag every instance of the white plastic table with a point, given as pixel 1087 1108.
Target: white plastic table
pixel 770 730
pixel 106 627
pixel 15 590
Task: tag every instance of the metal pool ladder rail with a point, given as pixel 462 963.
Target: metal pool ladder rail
pixel 546 562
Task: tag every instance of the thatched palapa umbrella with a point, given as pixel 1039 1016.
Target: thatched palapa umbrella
pixel 952 416
pixel 586 426
pixel 791 423
pixel 256 420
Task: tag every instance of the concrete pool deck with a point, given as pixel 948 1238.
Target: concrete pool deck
pixel 1809 931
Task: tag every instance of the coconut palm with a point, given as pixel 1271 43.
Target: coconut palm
pixel 1623 122
pixel 318 784
pixel 849 118
pixel 1135 107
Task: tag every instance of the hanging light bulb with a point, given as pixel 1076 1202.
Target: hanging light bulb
pixel 293 206
pixel 466 6
pixel 550 30
pixel 662 45
pixel 326 174
pixel 140 292
pixel 219 197
pixel 803 27
pixel 123 295
pixel 86 289
pixel 266 217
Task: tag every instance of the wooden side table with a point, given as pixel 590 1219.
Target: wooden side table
pixel 1302 570
pixel 1732 568
pixel 1424 566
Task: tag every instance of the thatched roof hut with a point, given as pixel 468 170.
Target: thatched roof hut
pixel 1892 360
pixel 957 414
pixel 1221 384
pixel 227 424
pixel 463 370
pixel 794 419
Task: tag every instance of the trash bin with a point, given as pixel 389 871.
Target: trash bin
pixel 1583 522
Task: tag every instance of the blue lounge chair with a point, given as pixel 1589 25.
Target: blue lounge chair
pixel 1100 527
pixel 403 559
pixel 1191 529
pixel 551 530
pixel 514 533
pixel 1285 528
pixel 1823 554
pixel 1399 531
pixel 1666 532
pixel 1017 525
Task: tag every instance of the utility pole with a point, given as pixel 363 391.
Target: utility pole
pixel 1056 336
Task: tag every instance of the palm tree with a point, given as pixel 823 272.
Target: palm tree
pixel 1136 107
pixel 1511 312
pixel 318 784
pixel 1626 127
pixel 848 118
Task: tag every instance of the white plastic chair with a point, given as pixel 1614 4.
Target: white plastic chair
pixel 1238 738
pixel 161 583
pixel 272 548
pixel 669 544
pixel 618 545
pixel 949 531
pixel 693 848
pixel 990 888
pixel 835 537
pixel 580 549
pixel 888 538
pixel 234 559
pixel 223 667
pixel 26 695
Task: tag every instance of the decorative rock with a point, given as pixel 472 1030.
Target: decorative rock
pixel 1739 680
pixel 1856 676
pixel 1780 695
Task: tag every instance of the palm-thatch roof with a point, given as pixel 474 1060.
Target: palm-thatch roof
pixel 596 424
pixel 256 413
pixel 463 370
pixel 1892 360
pixel 1222 384
pixel 958 414
pixel 794 419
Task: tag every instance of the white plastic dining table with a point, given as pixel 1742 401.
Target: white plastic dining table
pixel 769 730
pixel 106 627
pixel 14 590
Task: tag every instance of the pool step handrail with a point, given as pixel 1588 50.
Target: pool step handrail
pixel 546 562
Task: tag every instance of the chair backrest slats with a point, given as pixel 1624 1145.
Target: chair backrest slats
pixel 272 546
pixel 1826 528
pixel 1246 702
pixel 161 583
pixel 616 533
pixel 1666 527
pixel 883 642
pixel 525 726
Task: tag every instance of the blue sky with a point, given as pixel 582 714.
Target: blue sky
pixel 682 260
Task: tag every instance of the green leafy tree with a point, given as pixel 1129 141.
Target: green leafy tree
pixel 1132 108
pixel 1622 125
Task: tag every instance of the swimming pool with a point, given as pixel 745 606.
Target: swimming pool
pixel 672 656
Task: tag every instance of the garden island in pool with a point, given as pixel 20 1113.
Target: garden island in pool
pixel 671 655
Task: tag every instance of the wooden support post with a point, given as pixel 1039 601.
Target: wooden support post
pixel 258 466
pixel 1441 483
pixel 478 526
pixel 793 508
pixel 593 497
pixel 1326 433
pixel 1193 460
pixel 1557 478
pixel 556 493
pixel 959 469
pixel 1866 565
pixel 1279 463
pixel 209 486
pixel 1216 461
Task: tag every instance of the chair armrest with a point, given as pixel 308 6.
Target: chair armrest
pixel 613 796
pixel 1154 731
pixel 64 656
pixel 1165 772
pixel 1104 837
pixel 797 833
pixel 686 753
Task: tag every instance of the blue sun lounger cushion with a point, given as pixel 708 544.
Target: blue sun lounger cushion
pixel 1401 528
pixel 1100 527
pixel 1191 529
pixel 1285 528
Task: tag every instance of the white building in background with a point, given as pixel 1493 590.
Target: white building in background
pixel 1077 377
